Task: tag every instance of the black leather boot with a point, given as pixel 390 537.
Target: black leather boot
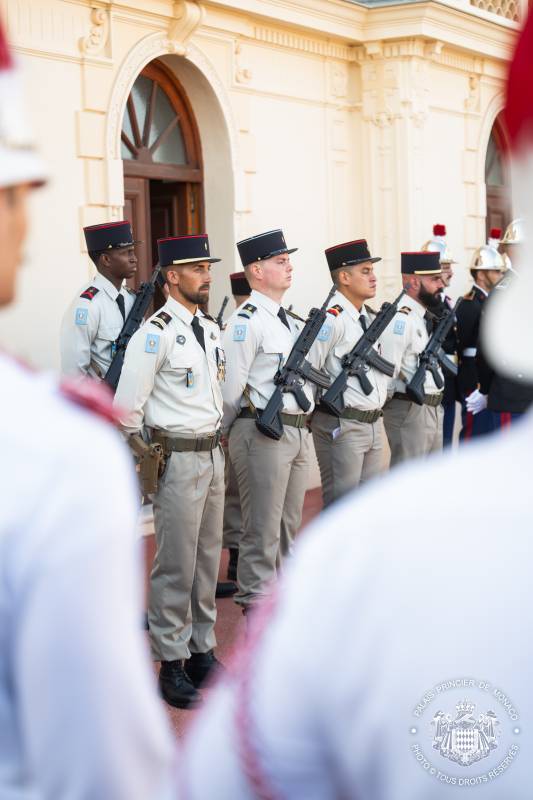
pixel 176 687
pixel 232 564
pixel 201 665
pixel 226 589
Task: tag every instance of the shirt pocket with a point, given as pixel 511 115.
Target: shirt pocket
pixel 186 369
pixel 106 336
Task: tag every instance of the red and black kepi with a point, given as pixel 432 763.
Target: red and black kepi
pixel 176 250
pixel 263 246
pixel 239 284
pixel 421 263
pixel 108 236
pixel 348 254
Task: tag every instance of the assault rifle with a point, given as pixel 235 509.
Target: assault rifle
pixel 132 323
pixel 431 357
pixel 362 356
pixel 220 316
pixel 291 376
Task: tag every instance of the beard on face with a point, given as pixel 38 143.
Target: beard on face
pixel 429 299
pixel 200 296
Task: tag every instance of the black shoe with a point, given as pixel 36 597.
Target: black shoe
pixel 232 564
pixel 226 589
pixel 176 687
pixel 201 665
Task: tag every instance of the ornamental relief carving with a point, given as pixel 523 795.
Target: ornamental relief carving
pixel 95 43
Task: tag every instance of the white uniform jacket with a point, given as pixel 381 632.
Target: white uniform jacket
pixel 340 332
pixel 257 343
pixel 403 341
pixel 168 382
pixel 90 326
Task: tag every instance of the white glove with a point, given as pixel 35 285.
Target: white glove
pixel 476 402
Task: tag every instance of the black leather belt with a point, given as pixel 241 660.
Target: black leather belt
pixel 429 399
pixel 354 413
pixel 180 444
pixel 294 420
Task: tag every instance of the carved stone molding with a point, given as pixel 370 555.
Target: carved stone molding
pixel 296 41
pixel 472 102
pixel 95 42
pixel 241 74
pixel 187 16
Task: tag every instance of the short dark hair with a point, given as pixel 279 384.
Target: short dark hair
pixel 336 272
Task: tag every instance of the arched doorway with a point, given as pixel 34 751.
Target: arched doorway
pixel 497 179
pixel 163 174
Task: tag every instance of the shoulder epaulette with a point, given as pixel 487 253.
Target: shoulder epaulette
pixel 292 314
pixel 335 310
pixel 90 293
pixel 161 320
pixel 247 310
pixel 469 295
pixel 404 310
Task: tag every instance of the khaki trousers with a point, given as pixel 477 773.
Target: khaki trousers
pixel 188 509
pixel 232 508
pixel 272 479
pixel 348 452
pixel 412 430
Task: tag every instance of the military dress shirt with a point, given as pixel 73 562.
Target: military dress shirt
pixel 90 326
pixel 336 338
pixel 79 714
pixel 168 382
pixel 257 343
pixel 403 341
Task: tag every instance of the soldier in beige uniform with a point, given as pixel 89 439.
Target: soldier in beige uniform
pixel 240 289
pixel 272 475
pixel 95 317
pixel 170 390
pixel 350 447
pixel 413 430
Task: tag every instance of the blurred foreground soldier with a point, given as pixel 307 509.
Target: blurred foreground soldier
pixel 75 723
pixel 95 317
pixel 450 395
pixel 487 269
pixel 421 705
pixel 240 289
pixel 272 475
pixel 414 430
pixel 349 447
pixel 170 391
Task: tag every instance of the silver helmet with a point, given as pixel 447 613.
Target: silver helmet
pixel 487 257
pixel 514 233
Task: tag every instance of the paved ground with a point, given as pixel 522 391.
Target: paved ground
pixel 230 622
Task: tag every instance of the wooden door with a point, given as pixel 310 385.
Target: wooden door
pixel 137 210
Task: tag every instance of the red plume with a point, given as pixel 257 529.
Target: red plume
pixel 6 61
pixel 495 233
pixel 519 102
pixel 439 230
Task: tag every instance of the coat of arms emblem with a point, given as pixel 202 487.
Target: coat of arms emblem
pixel 465 739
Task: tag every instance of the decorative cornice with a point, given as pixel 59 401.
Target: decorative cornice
pixel 307 44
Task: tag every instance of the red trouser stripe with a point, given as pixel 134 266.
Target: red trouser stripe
pixel 469 425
